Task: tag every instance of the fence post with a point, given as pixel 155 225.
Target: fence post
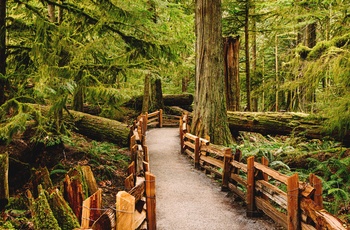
pixel 227 169
pixel 293 214
pixel 197 152
pixel 317 197
pixel 125 209
pixel 145 121
pixel 250 187
pixel 265 177
pixel 151 201
pixel 132 142
pixel 181 134
pixel 91 209
pixel 160 118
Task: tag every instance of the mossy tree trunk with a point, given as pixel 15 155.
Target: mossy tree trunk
pixel 4 184
pixel 146 95
pixel 209 116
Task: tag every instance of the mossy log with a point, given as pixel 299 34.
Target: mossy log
pixel 4 184
pixel 97 128
pixel 275 123
pixel 102 129
pixel 282 123
pixel 181 100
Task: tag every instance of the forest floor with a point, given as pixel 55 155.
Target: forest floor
pixel 187 198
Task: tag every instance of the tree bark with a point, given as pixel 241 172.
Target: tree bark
pixel 231 70
pixel 156 101
pixel 146 95
pixel 209 116
pixel 247 56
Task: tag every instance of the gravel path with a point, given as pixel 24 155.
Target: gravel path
pixel 186 198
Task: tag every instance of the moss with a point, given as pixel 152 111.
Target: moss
pixel 303 51
pixel 318 50
pixel 62 211
pixel 42 214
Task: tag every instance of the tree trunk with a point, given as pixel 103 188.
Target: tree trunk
pixel 51 13
pixel 156 101
pixel 146 94
pixel 209 116
pixel 247 56
pixel 4 184
pixel 280 123
pixel 2 51
pixel 231 70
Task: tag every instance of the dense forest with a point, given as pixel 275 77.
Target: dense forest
pixel 98 56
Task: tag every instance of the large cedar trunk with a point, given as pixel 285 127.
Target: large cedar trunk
pixel 231 70
pixel 209 116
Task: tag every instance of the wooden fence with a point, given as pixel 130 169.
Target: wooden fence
pixel 289 202
pixel 135 209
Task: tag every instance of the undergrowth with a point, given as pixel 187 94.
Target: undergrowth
pixel 327 159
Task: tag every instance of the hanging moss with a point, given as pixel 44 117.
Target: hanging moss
pixel 42 214
pixel 62 211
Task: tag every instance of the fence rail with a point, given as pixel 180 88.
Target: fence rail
pixel 289 202
pixel 135 208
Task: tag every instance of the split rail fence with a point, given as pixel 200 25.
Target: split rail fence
pixel 136 207
pixel 289 202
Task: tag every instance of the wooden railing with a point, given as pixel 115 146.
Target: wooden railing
pixel 289 202
pixel 140 186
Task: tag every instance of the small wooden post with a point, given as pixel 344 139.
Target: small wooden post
pixel 145 121
pixel 265 162
pixel 237 157
pixel 131 168
pixel 293 214
pixel 151 201
pixel 227 169
pixel 125 209
pixel 146 166
pixel 181 135
pixel 160 118
pixel 317 197
pixel 250 187
pixel 196 152
pixel 85 216
pixel 132 142
pixel 145 152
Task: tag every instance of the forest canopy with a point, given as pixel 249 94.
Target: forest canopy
pixel 293 56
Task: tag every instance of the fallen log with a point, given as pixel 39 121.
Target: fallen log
pixel 182 100
pixel 97 128
pixel 280 123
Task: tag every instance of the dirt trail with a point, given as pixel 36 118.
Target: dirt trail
pixel 186 198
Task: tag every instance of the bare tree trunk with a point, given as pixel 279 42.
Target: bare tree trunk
pixel 51 13
pixel 2 51
pixel 255 99
pixel 209 116
pixel 247 56
pixel 156 101
pixel 146 94
pixel 231 70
